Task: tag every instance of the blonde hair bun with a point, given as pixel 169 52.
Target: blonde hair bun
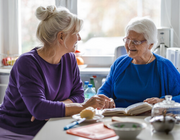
pixel 54 20
pixel 43 13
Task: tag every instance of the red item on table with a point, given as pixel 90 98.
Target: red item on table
pixel 93 131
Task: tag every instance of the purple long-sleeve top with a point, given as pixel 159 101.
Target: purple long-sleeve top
pixel 36 88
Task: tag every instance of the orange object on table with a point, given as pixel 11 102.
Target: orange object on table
pixel 93 131
pixel 80 61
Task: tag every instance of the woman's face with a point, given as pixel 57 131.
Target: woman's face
pixel 71 41
pixel 136 51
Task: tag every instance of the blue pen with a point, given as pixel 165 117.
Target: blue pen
pixel 74 123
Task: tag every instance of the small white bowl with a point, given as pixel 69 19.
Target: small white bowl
pixel 82 66
pixel 127 130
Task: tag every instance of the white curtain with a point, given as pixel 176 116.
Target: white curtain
pixel 1 32
pixel 9 27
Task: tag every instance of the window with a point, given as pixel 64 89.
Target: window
pixel 10 33
pixel 29 22
pixel 105 21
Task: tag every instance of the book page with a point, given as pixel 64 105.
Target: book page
pixel 138 108
pixel 113 111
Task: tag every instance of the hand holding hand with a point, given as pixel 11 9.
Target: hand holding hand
pixel 109 103
pixel 97 101
pixel 153 100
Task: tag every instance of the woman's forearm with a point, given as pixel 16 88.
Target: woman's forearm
pixel 67 101
pixel 97 101
pixel 73 108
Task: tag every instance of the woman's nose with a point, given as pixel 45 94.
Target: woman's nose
pixel 130 43
pixel 79 37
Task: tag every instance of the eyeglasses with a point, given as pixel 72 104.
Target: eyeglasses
pixel 126 40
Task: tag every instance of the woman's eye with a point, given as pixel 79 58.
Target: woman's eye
pixel 135 41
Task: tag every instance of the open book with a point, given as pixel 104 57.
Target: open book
pixel 134 109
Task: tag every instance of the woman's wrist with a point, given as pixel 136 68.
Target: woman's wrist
pixel 67 101
pixel 73 108
pixel 162 99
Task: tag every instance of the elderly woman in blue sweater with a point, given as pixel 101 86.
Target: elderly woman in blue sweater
pixel 141 75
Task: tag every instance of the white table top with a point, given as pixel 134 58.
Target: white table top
pixel 53 130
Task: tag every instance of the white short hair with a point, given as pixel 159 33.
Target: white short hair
pixel 54 20
pixel 145 26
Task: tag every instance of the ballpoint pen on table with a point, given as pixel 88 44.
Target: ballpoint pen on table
pixel 74 123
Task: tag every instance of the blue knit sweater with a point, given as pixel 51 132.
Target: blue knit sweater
pixel 168 75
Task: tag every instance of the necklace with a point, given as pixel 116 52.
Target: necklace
pixel 150 58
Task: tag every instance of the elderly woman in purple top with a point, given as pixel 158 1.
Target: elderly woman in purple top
pixel 45 82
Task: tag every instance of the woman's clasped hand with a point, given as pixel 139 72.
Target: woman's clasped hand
pixel 100 102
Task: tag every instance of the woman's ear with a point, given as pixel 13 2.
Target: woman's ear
pixel 60 37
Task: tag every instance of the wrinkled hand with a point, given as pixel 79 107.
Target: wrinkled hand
pixel 153 100
pixel 33 118
pixel 109 103
pixel 97 101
